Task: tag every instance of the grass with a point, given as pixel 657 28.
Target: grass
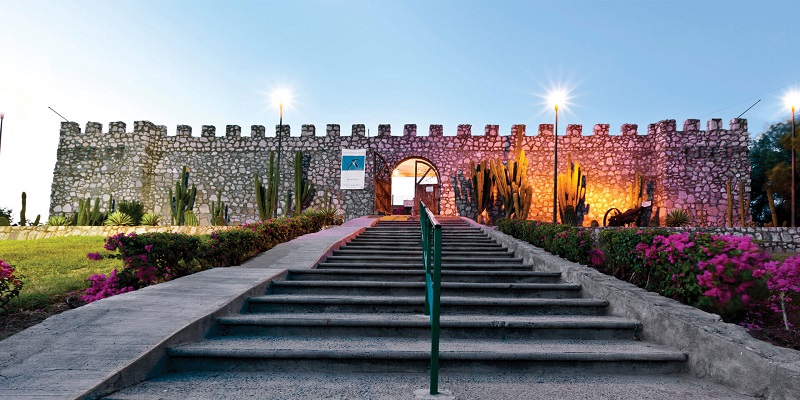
pixel 53 267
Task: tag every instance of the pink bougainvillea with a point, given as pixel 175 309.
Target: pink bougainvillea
pixel 102 286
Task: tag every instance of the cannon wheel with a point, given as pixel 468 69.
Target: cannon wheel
pixel 612 212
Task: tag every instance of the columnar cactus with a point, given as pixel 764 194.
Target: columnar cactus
pixel 481 186
pixel 182 200
pixel 513 185
pixel 572 196
pixel 302 188
pixel 22 212
pixel 219 211
pixel 266 197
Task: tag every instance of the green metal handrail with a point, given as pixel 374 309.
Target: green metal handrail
pixel 432 263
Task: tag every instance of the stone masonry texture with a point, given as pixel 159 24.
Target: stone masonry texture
pixel 689 167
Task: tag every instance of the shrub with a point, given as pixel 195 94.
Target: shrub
pixel 231 247
pixel 619 248
pixel 783 278
pixel 677 217
pixel 570 242
pixel 134 209
pixel 10 285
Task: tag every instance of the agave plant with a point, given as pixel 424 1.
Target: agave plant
pixel 678 217
pixel 151 219
pixel 118 218
pixel 58 220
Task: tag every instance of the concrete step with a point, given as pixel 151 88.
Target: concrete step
pixel 449 260
pixel 502 327
pixel 346 251
pixel 376 354
pixel 417 265
pixel 450 305
pixel 390 275
pixel 367 288
pixel 390 246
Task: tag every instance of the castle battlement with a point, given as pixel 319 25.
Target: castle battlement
pixel 690 167
pixel 737 125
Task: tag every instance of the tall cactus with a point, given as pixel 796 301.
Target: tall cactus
pixel 24 207
pixel 636 192
pixel 302 187
pixel 572 196
pixel 266 197
pixel 481 186
pixel 88 215
pixel 182 200
pixel 513 185
pixel 219 211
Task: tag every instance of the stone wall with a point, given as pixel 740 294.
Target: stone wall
pixel 689 167
pixel 46 232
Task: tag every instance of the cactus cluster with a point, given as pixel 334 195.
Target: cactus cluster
pixel 572 197
pixel 219 211
pixel 482 182
pixel 88 215
pixel 266 196
pixel 513 186
pixel 636 192
pixel 182 200
pixel 22 219
pixel 302 188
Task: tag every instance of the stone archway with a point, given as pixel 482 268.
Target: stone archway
pixel 413 179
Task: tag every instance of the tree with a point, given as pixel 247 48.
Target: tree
pixel 770 168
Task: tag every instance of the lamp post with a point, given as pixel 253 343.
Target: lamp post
pixel 555 99
pixel 793 170
pixel 281 98
pixel 278 166
pixel 555 167
pixel 2 116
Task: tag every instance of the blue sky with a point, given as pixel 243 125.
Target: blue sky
pixel 374 62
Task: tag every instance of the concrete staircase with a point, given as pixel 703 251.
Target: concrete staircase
pixel 361 310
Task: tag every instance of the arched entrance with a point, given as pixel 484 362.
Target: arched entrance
pixel 415 179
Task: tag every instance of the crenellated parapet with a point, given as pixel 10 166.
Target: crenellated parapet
pixel 689 166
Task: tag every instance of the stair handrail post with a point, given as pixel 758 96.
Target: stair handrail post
pixel 432 263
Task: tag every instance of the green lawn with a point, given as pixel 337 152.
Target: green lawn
pixel 54 267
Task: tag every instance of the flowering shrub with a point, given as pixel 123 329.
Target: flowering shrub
pixel 101 286
pixel 730 273
pixel 10 285
pixel 619 248
pixel 157 257
pixel 782 279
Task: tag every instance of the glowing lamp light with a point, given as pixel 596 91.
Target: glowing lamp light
pixel 281 97
pixel 397 172
pixel 557 98
pixel 792 100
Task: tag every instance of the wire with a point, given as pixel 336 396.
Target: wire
pixel 751 98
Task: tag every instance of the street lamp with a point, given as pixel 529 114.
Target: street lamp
pixel 555 98
pixel 280 97
pixel 792 99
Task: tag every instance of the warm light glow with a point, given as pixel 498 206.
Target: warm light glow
pixel 557 98
pixel 281 97
pixel 397 172
pixel 792 99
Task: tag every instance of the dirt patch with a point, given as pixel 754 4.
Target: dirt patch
pixel 24 319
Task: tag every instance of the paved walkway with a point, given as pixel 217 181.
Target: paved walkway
pixel 110 347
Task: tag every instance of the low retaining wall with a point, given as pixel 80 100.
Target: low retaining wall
pixel 771 239
pixel 45 232
pixel 721 352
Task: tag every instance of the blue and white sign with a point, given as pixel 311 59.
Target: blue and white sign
pixel 353 163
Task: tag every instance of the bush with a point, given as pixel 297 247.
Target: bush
pixel 134 209
pixel 619 247
pixel 10 285
pixel 157 257
pixel 570 242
